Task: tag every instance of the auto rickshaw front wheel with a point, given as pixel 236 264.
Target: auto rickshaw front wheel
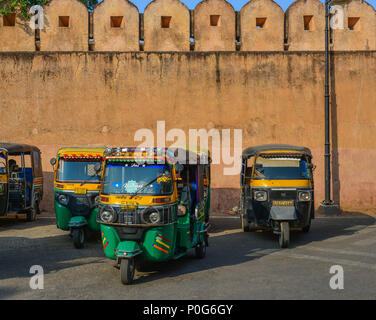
pixel 78 236
pixel 284 236
pixel 127 270
pixel 200 250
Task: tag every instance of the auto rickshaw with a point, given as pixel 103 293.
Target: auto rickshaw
pixel 277 190
pixel 153 206
pixel 76 190
pixel 21 180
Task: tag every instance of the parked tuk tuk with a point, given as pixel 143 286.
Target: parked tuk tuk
pixel 76 190
pixel 277 191
pixel 153 206
pixel 21 179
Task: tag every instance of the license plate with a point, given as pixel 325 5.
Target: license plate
pixel 80 190
pixel 283 203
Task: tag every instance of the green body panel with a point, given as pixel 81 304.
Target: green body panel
pixel 65 220
pixel 127 249
pixel 92 222
pixel 77 222
pixel 159 243
pixel 110 241
pixel 63 215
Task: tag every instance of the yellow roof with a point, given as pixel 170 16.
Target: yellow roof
pixel 87 149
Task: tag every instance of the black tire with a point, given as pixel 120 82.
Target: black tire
pixel 127 270
pixel 245 224
pixel 308 227
pixel 284 236
pixel 200 250
pixel 78 236
pixel 31 214
pixel 37 208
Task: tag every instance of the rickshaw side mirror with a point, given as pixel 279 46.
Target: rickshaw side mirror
pixel 53 161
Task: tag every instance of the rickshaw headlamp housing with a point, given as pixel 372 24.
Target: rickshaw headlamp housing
pixel 260 195
pixel 63 199
pixel 304 196
pixel 108 215
pixel 182 210
pixel 151 215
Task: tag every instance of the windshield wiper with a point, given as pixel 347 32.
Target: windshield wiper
pixel 146 185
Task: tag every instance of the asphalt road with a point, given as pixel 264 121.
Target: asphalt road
pixel 237 266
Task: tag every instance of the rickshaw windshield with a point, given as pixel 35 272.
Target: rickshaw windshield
pixel 77 171
pixel 281 168
pixel 129 178
pixel 3 163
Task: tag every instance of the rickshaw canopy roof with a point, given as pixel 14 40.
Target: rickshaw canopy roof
pixel 84 149
pixel 17 148
pixel 250 151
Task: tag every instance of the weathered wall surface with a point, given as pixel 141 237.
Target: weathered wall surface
pixel 116 26
pixel 166 26
pixel 214 26
pixel 262 26
pixel 359 31
pixel 65 26
pixel 15 33
pixel 305 25
pixel 104 98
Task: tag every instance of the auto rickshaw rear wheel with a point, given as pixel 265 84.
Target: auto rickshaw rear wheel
pixel 127 270
pixel 200 250
pixel 78 236
pixel 284 236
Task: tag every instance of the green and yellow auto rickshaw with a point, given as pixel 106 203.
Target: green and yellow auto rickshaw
pixel 76 190
pixel 21 180
pixel 277 190
pixel 153 206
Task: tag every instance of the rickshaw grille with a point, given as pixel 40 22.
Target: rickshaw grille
pixel 283 195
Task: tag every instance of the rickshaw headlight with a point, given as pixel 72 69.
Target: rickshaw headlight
pixel 260 195
pixel 97 199
pixel 304 196
pixel 108 215
pixel 151 215
pixel 182 210
pixel 63 199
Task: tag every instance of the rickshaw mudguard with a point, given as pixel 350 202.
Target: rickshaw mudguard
pixel 160 242
pixel 110 241
pixel 279 213
pixel 63 215
pixel 77 222
pixel 127 249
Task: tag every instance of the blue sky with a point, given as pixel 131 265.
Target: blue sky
pixel 237 4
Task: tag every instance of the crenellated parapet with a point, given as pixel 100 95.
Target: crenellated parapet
pixel 214 25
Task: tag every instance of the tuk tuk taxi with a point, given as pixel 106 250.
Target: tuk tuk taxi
pixel 277 190
pixel 153 206
pixel 21 179
pixel 76 190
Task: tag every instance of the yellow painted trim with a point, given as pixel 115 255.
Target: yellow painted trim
pixel 72 186
pixel 82 150
pixel 137 200
pixel 282 151
pixel 281 183
pixel 3 177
